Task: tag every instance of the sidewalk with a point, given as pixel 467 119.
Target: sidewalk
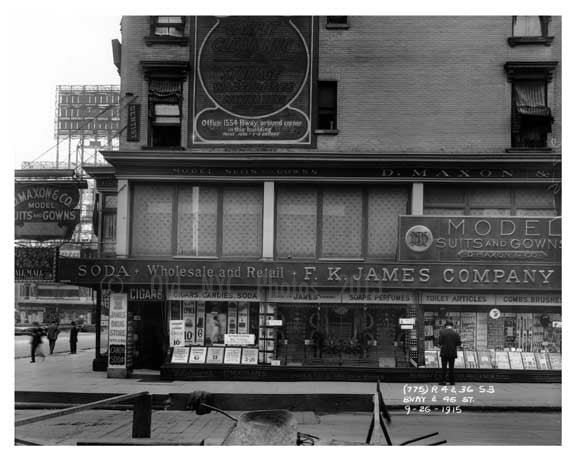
pixel 73 373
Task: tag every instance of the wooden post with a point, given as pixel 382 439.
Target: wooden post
pixel 142 418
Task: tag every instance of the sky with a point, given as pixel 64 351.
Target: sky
pixel 67 50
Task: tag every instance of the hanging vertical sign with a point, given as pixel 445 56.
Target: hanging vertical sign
pixel 253 80
pixel 117 335
pixel 133 123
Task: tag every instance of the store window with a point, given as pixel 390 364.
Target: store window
pixel 442 200
pixel 184 220
pixel 330 222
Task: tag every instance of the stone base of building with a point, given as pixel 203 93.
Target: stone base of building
pixel 355 374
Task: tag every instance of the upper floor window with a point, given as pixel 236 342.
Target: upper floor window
pixel 165 114
pixel 531 117
pixel 197 220
pixel 171 26
pixel 328 106
pixel 338 221
pixel 337 22
pixel 446 200
pixel 167 30
pixel 530 30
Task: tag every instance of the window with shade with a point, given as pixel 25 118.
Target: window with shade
pixel 328 107
pixel 165 112
pixel 167 30
pixel 348 222
pixel 443 200
pixel 197 220
pixel 531 117
pixel 109 207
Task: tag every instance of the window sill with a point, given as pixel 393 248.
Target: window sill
pixel 326 132
pixel 514 41
pixel 529 149
pixel 153 40
pixel 337 26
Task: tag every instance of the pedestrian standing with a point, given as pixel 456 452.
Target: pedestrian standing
pixel 52 335
pixel 448 340
pixel 36 334
pixel 73 337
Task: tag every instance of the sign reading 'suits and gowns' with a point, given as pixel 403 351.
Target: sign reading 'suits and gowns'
pixel 46 211
pixel 253 80
pixel 482 239
pixel 118 363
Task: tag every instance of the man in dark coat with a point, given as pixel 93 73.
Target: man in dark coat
pixel 73 337
pixel 52 335
pixel 448 341
pixel 36 334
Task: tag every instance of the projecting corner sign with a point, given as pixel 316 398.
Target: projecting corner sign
pixel 45 211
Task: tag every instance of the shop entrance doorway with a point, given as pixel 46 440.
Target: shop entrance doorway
pixel 149 344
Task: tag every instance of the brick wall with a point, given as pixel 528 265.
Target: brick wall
pixel 405 84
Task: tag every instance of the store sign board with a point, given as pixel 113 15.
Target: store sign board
pixel 529 300
pixel 46 211
pixel 253 80
pixel 308 281
pixel 482 239
pixel 118 331
pixel 145 294
pixel 377 297
pixel 239 339
pixel 460 299
pixel 35 264
pixel 133 123
pixel 177 294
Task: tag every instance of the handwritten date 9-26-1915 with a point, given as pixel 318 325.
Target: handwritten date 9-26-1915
pixel 428 410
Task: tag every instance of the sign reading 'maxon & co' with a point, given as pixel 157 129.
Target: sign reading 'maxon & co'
pixel 487 239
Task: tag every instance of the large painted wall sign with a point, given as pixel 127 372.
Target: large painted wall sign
pixel 253 80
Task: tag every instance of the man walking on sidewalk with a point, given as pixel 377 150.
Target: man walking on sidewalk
pixel 36 334
pixel 448 340
pixel 52 334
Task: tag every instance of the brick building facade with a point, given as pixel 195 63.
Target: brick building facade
pixel 317 196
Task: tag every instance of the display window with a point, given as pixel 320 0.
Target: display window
pixel 530 331
pixel 341 335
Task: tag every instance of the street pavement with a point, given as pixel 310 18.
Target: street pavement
pixel 455 414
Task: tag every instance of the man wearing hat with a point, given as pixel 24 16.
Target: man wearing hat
pixel 448 340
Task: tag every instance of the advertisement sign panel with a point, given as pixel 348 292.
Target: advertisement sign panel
pixel 197 355
pixel 118 330
pixel 189 317
pixel 232 355
pixel 45 211
pixel 249 356
pixel 482 239
pixel 253 80
pixel 215 355
pixel 239 339
pixel 180 354
pixel 35 264
pixel 177 332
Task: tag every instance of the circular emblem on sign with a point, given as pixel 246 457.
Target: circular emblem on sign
pixel 419 238
pixel 495 314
